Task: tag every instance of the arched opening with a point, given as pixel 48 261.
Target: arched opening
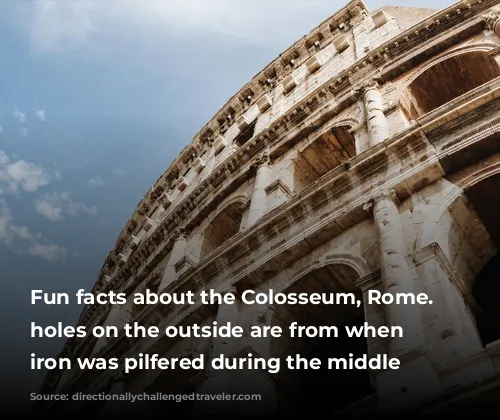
pixel 485 200
pixel 327 152
pixel 446 81
pixel 223 227
pixel 323 391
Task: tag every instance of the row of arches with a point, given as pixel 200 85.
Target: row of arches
pixel 433 86
pixel 446 79
pixel 322 392
pixel 484 198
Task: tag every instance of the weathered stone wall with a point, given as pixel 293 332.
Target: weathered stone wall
pixel 339 178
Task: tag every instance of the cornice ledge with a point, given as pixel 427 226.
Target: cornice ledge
pixel 367 155
pixel 379 53
pixel 344 15
pixel 236 274
pixel 163 224
pixel 450 36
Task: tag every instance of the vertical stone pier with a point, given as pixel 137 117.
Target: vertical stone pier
pixel 378 128
pixel 118 316
pixel 258 205
pixel 417 378
pixel 258 381
pixel 118 386
pixel 219 381
pixel 177 253
pixel 396 274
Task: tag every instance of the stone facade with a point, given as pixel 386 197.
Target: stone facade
pixel 366 156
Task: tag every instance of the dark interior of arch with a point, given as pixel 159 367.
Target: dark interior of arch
pixel 486 292
pixel 485 199
pixel 448 80
pixel 322 392
pixel 330 150
pixel 224 226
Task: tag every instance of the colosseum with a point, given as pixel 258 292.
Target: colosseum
pixel 364 157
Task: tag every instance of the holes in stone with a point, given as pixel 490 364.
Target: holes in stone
pixel 246 135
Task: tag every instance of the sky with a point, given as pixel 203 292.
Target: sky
pixel 97 97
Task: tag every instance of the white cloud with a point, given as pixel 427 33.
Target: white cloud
pixel 18 115
pixel 56 206
pixel 49 252
pixel 18 175
pixel 39 113
pixel 95 181
pixel 64 25
pixel 20 239
pixel 23 131
pixel 59 26
pixel 257 21
pixel 48 210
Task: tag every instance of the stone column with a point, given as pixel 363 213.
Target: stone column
pixel 374 314
pixel 377 123
pixel 222 381
pixel 118 316
pixel 177 253
pixel 260 381
pixel 259 315
pixel 258 205
pixel 118 386
pixel 396 274
pixel 417 378
pixel 496 27
pixel 492 20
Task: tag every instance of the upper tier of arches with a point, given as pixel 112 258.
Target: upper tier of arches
pixel 144 218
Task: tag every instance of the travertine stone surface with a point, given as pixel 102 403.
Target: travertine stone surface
pixel 258 203
pixel 396 274
pixel 376 120
pixel 177 253
pixel 364 157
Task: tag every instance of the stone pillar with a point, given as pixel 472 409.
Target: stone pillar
pixel 451 330
pixel 225 313
pixel 259 315
pixel 417 378
pixel 496 27
pixel 260 381
pixel 377 123
pixel 118 386
pixel 396 274
pixel 492 20
pixel 258 205
pixel 118 316
pixel 374 314
pixel 222 381
pixel 177 253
